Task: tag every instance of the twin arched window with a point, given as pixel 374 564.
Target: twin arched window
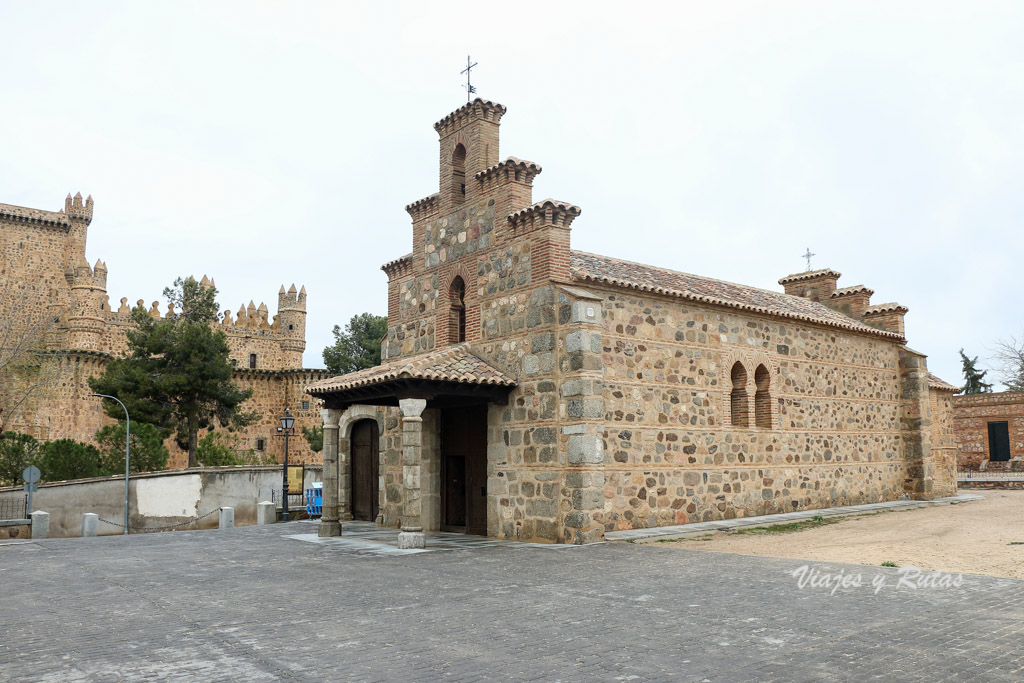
pixel 739 399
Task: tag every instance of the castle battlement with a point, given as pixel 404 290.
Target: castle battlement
pixel 74 207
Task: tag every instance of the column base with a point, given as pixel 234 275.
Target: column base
pixel 328 529
pixel 411 538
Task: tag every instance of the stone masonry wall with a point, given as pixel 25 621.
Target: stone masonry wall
pixel 971 415
pixel 672 455
pixel 943 442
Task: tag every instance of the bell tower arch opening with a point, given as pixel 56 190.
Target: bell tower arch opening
pixel 457 313
pixel 459 174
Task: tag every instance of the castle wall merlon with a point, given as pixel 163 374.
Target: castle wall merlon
pixel 74 207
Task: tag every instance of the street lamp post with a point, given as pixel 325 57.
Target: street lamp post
pixel 286 432
pixel 127 446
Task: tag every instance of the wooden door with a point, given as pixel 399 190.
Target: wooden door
pixel 464 469
pixel 365 464
pixel 998 441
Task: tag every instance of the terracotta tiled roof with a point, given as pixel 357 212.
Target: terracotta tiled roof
pixel 34 215
pixel 886 308
pixel 856 289
pixel 645 278
pixel 451 364
pixel 936 383
pixel 809 275
pixel 511 162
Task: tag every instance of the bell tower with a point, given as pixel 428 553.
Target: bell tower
pixel 469 145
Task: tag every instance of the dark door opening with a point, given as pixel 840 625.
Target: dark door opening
pixel 464 470
pixel 998 441
pixel 365 464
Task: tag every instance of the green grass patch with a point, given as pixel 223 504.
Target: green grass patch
pixel 1016 543
pixel 811 523
pixel 887 563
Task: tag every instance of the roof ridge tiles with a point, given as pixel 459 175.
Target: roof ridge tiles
pixel 809 275
pixel 855 289
pixel 593 267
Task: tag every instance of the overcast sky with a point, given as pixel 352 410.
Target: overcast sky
pixel 270 143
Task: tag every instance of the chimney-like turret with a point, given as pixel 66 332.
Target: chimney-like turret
pixel 816 285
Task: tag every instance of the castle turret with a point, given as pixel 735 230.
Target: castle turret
pixel 89 307
pixel 291 314
pixel 79 215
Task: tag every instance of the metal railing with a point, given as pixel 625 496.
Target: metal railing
pixel 988 474
pixel 295 500
pixel 14 508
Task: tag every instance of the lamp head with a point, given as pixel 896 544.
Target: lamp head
pixel 287 421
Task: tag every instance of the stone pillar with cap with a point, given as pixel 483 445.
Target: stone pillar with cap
pixel 411 535
pixel 329 524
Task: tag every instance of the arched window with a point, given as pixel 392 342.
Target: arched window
pixel 738 397
pixel 459 174
pixel 457 316
pixel 763 398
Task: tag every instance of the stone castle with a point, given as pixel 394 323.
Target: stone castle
pixel 47 275
pixel 532 391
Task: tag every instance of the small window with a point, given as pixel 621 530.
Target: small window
pixel 738 396
pixel 763 398
pixel 260 444
pixel 459 174
pixel 291 327
pixel 252 361
pixel 305 405
pixel 457 315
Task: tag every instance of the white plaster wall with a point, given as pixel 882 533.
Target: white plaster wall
pixel 169 496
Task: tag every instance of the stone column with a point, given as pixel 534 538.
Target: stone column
pixel 412 459
pixel 345 472
pixel 329 524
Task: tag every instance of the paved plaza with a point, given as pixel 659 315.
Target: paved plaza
pixel 263 604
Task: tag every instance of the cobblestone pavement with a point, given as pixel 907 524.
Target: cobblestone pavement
pixel 251 604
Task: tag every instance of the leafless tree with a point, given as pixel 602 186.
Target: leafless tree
pixel 1008 354
pixel 28 369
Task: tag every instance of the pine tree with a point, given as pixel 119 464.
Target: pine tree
pixel 358 347
pixel 177 372
pixel 974 383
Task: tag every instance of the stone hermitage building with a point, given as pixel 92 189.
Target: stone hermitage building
pixel 46 271
pixel 990 430
pixel 535 392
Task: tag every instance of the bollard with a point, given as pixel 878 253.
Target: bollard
pixel 90 521
pixel 227 518
pixel 266 513
pixel 411 538
pixel 40 524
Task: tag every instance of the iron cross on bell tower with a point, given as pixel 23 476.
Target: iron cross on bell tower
pixel 808 256
pixel 469 86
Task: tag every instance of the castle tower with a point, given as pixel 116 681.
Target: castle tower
pixel 79 214
pixel 89 310
pixel 291 316
pixel 469 145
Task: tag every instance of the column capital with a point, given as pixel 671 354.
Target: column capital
pixel 412 407
pixel 331 417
